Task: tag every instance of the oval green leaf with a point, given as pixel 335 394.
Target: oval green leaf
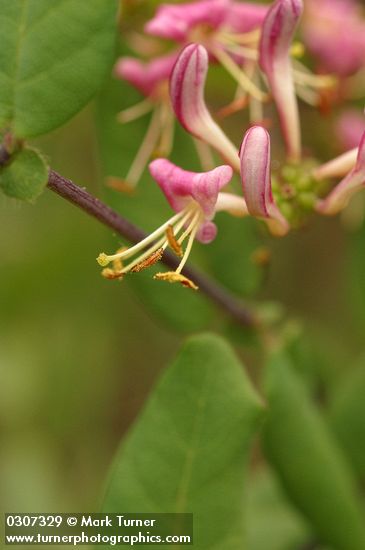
pixel 53 59
pixel 308 461
pixel 188 450
pixel 26 176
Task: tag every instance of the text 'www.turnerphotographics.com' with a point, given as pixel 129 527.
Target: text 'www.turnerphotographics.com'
pixel 112 529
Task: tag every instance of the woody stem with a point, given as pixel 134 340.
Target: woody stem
pixel 81 198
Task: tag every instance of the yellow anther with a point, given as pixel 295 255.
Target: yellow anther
pixel 148 262
pixel 111 274
pixel 173 277
pixel 297 49
pixel 176 247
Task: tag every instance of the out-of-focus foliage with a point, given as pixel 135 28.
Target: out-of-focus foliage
pixel 310 464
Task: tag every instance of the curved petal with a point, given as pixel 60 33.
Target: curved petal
pixel 256 179
pixel 245 17
pixel 276 38
pixel 353 182
pixel 145 76
pixel 176 21
pixel 187 84
pixel 180 186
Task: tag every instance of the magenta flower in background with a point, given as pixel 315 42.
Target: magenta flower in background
pixel 349 128
pixel 256 180
pixel 145 76
pixel 243 17
pixel 334 32
pixel 276 38
pixel 175 22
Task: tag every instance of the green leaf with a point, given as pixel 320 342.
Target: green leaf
pixel 272 523
pixel 188 450
pixel 26 176
pixel 310 465
pixel 347 416
pixel 54 56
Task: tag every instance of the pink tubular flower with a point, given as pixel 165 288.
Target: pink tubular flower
pixel 339 197
pixel 244 17
pixel 187 96
pixel 335 33
pixel 349 128
pixel 276 38
pixel 146 77
pixel 180 187
pixel 195 197
pixel 176 21
pixel 256 180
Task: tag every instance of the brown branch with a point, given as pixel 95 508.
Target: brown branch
pixel 97 209
pixel 94 207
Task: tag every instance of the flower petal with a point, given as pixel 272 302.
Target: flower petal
pixel 187 84
pixel 175 22
pixel 245 17
pixel 276 38
pixel 353 182
pixel 256 179
pixel 180 186
pixel 145 76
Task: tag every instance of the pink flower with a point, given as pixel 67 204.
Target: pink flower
pixel 195 197
pixel 187 84
pixel 176 21
pixel 349 128
pixel 256 180
pixel 180 187
pixel 276 38
pixel 145 76
pixel 335 33
pixel 244 17
pixel 339 197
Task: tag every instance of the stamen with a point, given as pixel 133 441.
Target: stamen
pixel 234 70
pixel 146 149
pixel 190 227
pixel 176 247
pixel 174 277
pixel 188 248
pixel 205 155
pixel 135 112
pixel 104 259
pixel 167 133
pixel 111 274
pixel 149 261
pixel 241 38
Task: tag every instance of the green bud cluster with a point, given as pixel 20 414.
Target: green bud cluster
pixel 295 191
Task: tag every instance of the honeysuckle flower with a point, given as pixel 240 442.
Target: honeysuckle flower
pixel 244 17
pixel 175 22
pixel 187 84
pixel 195 198
pixel 255 161
pixel 349 128
pixel 276 39
pixel 334 32
pixel 151 80
pixel 147 77
pixel 339 197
